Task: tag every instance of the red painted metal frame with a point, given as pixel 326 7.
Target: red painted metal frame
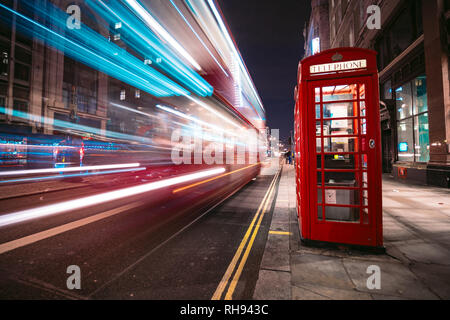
pixel 311 228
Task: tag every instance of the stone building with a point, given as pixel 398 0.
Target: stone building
pixel 44 83
pixel 318 28
pixel 413 62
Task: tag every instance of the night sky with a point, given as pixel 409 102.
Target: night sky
pixel 269 35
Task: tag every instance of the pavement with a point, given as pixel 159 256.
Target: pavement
pixel 416 265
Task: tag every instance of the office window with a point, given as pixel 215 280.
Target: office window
pixel 387 90
pixel 405 140
pixel 4 58
pixel 21 72
pixel 20 108
pixel 80 86
pixel 412 124
pixel 400 33
pixel 404 101
pixel 6 20
pixel 22 65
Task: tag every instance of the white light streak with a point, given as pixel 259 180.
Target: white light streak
pixel 80 203
pixel 231 44
pixel 68 169
pixel 152 23
pixel 193 119
pixel 210 109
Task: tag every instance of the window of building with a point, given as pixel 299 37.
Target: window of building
pixel 21 72
pixel 387 90
pixel 22 66
pixel 80 86
pixel 400 33
pixel 21 92
pixel 4 58
pixel 412 124
pixel 20 107
pixel 6 20
pixel 3 88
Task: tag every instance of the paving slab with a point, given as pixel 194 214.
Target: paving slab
pixel 395 279
pixel 316 292
pixel 326 271
pixel 276 254
pixel 416 265
pixel 273 285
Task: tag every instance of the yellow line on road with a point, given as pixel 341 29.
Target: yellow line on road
pixel 14 244
pixel 283 233
pixel 226 277
pixel 238 273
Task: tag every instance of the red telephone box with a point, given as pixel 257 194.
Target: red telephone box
pixel 337 132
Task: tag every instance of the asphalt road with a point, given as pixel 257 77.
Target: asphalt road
pixel 126 250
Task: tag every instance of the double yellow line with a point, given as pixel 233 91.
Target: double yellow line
pixel 248 240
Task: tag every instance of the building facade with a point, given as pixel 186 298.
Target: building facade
pixel 317 30
pixel 413 62
pixel 37 80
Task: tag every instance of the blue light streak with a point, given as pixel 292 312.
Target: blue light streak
pixel 95 51
pixel 78 127
pixel 139 37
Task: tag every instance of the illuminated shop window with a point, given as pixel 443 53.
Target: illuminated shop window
pixel 412 125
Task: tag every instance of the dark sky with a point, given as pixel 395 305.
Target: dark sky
pixel 269 35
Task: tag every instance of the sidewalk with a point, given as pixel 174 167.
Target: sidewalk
pixel 416 227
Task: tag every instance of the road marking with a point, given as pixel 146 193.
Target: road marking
pixel 118 275
pixel 212 179
pixel 283 233
pixel 14 244
pixel 226 277
pixel 238 273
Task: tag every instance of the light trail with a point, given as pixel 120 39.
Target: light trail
pixel 98 53
pixel 48 122
pixel 224 29
pixel 210 109
pixel 198 37
pixel 68 169
pixel 150 45
pixel 154 25
pixel 190 118
pixel 73 175
pixel 45 211
pixel 212 179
